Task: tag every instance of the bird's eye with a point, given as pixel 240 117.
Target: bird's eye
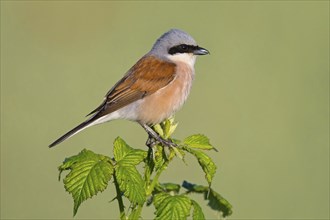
pixel 182 48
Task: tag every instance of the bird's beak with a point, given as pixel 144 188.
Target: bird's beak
pixel 200 51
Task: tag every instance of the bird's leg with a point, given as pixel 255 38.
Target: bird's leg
pixel 151 141
pixel 154 138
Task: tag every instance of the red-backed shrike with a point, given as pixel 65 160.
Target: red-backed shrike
pixel 153 89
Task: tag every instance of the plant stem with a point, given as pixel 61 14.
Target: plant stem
pixel 136 212
pixel 155 179
pixel 119 198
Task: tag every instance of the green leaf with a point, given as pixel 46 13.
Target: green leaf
pixel 133 158
pixel 166 128
pixel 129 179
pixel 148 167
pixel 194 187
pixel 158 128
pixel 198 141
pixel 218 203
pixel 197 212
pixel 178 153
pixel 127 155
pixel 205 161
pixel 136 212
pixel 159 198
pixel 171 207
pixel 173 127
pixel 170 187
pixel 68 162
pixel 120 149
pixel 130 183
pixel 159 157
pixel 169 127
pixel 90 174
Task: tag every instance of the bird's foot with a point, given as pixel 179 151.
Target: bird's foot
pixel 152 141
pixel 155 139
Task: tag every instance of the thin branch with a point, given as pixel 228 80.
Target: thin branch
pixel 119 198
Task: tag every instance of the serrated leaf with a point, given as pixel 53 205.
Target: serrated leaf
pixel 68 162
pixel 218 203
pixel 134 157
pixel 90 174
pixel 198 141
pixel 127 155
pixel 159 198
pixel 130 183
pixel 206 163
pixel 120 148
pixel 197 212
pixel 172 207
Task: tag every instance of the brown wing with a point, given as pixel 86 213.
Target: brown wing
pixel 147 76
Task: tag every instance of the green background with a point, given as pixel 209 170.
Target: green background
pixel 261 96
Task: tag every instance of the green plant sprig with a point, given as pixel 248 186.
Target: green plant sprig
pixel 90 173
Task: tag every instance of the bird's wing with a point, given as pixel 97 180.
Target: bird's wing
pixel 147 76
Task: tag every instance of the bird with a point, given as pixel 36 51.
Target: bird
pixel 152 90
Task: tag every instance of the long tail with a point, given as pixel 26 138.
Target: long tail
pixel 74 131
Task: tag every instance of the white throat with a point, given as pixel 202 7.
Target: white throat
pixel 187 58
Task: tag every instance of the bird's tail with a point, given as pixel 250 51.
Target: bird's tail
pixel 74 131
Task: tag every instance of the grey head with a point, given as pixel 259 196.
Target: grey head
pixel 176 41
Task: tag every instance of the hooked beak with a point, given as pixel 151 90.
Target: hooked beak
pixel 200 51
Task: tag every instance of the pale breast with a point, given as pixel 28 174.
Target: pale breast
pixel 165 102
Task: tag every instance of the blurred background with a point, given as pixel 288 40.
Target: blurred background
pixel 261 97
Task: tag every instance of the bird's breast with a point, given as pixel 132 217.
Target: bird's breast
pixel 166 101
